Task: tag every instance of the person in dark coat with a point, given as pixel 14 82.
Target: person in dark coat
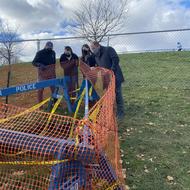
pixel 179 46
pixel 69 62
pixel 107 57
pixel 87 56
pixel 45 61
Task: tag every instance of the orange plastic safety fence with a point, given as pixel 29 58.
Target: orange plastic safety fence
pixel 37 151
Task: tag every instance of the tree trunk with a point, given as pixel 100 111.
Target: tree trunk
pixel 8 78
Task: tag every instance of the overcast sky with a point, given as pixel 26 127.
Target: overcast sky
pixel 50 18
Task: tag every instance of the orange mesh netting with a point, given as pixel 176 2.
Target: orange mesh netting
pixel 40 150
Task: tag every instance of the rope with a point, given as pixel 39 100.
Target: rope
pixel 37 106
pixel 51 114
pixel 114 185
pixel 30 110
pixel 52 162
pixel 76 111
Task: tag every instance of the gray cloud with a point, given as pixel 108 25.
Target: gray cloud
pixel 145 15
pixel 44 18
pixel 35 16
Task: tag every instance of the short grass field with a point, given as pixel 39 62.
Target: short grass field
pixel 155 134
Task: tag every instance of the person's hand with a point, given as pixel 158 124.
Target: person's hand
pixel 36 64
pixel 113 68
pixel 42 67
pixel 92 68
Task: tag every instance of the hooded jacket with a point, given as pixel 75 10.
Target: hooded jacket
pixel 107 57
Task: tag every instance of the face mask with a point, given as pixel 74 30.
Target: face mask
pixel 68 54
pixel 85 52
pixel 49 49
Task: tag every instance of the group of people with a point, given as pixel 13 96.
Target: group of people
pixel 93 55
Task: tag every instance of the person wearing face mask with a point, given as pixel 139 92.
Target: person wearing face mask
pixel 87 56
pixel 45 61
pixel 69 62
pixel 107 57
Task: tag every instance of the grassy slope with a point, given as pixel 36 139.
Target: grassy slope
pixel 23 74
pixel 155 133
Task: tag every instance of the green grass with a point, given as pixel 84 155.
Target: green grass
pixel 155 135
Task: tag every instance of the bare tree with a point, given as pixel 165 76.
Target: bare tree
pixel 8 47
pixel 97 18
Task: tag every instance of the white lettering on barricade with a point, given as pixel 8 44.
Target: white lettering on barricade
pixel 26 87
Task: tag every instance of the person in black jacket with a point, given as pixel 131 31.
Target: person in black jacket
pixel 69 62
pixel 87 56
pixel 45 60
pixel 107 57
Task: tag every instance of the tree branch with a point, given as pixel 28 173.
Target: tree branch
pixel 96 18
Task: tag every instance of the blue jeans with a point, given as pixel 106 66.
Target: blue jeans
pixel 119 101
pixel 72 84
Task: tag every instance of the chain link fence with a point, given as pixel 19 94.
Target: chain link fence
pixel 156 94
pixel 153 41
pixel 140 52
pixel 137 42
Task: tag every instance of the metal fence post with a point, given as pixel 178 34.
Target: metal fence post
pixel 38 45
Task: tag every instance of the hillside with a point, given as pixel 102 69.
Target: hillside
pixel 155 133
